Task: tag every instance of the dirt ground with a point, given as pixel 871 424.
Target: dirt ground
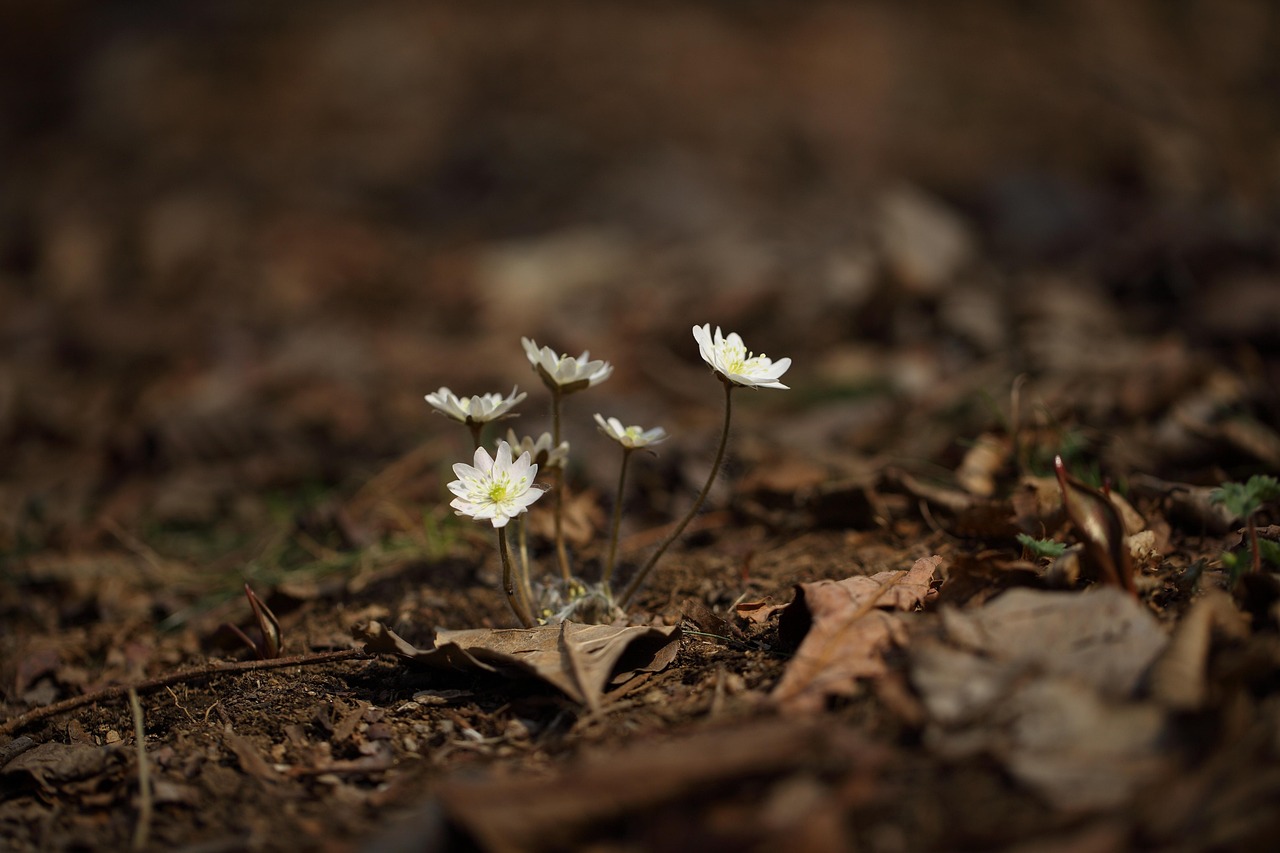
pixel 239 242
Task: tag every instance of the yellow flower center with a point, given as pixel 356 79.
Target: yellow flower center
pixel 499 491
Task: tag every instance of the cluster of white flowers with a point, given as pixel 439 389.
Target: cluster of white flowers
pixel 501 487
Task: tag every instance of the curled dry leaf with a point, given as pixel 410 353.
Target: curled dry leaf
pixel 582 661
pixel 1101 526
pixel 845 633
pixel 983 461
pixel 1178 678
pixel 757 611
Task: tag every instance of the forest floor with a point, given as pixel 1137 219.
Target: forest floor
pixel 218 382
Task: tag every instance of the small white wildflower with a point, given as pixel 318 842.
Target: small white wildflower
pixel 632 437
pixel 729 357
pixel 474 410
pixel 540 449
pixel 565 372
pixel 497 488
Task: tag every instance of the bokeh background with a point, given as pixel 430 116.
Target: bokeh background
pixel 240 240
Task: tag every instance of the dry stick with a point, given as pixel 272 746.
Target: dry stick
pixel 116 691
pixel 1253 543
pixel 142 831
pixel 617 519
pixel 518 606
pixel 697 504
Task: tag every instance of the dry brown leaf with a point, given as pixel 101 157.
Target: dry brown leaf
pixel 49 765
pixel 581 660
pixel 1179 678
pixel 983 461
pixel 757 611
pixel 1044 682
pixel 1101 525
pixel 845 633
pixel 510 813
pixel 1099 637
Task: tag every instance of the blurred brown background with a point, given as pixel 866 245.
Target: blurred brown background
pixel 239 240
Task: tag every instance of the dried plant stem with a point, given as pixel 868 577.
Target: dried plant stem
pixel 562 554
pixel 617 519
pixel 693 510
pixel 524 586
pixel 35 715
pixel 1253 544
pixel 522 540
pixel 141 832
pixel 514 598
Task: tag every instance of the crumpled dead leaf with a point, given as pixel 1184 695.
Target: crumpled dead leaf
pixel 582 661
pixel 845 633
pixel 1045 682
pixel 757 611
pixel 50 765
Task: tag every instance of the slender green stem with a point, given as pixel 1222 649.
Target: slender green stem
pixel 617 519
pixel 697 504
pixel 562 554
pixel 508 582
pixel 476 428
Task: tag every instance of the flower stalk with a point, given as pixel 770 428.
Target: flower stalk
pixel 514 599
pixel 562 553
pixel 640 576
pixel 617 520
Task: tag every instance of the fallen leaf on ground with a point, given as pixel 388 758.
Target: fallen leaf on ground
pixel 1044 682
pixel 1103 639
pixel 522 813
pixel 757 611
pixel 1102 527
pixel 1179 678
pixel 50 765
pixel 581 660
pixel 845 633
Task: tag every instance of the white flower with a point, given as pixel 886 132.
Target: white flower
pixel 474 410
pixel 632 437
pixel 729 357
pixel 540 450
pixel 564 372
pixel 496 489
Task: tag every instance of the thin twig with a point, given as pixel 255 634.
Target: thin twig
pixel 149 685
pixel 142 831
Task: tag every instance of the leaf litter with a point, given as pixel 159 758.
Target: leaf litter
pixel 199 390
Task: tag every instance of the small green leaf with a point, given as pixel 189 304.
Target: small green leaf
pixel 1041 547
pixel 1270 551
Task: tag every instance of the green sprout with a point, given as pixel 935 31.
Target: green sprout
pixel 1041 548
pixel 1243 500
